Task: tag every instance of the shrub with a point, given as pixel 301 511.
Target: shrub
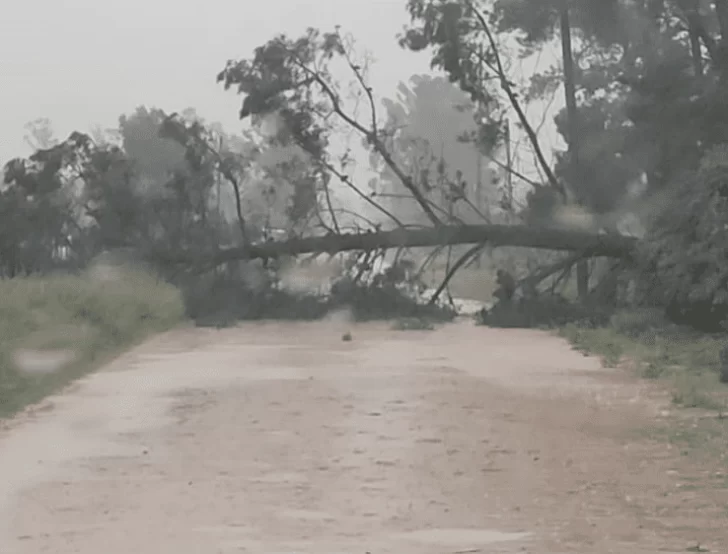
pixel 546 310
pixel 642 323
pixel 222 299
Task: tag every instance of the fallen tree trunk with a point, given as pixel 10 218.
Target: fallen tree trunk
pixel 589 244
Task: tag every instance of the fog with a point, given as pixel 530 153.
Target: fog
pixel 82 63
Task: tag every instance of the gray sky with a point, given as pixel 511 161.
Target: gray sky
pixel 82 63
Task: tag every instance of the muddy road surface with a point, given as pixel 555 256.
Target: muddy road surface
pixel 282 438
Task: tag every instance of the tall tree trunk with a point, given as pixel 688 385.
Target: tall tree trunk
pixel 582 268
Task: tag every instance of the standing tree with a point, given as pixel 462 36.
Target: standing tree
pixel 424 130
pixel 156 158
pixel 291 80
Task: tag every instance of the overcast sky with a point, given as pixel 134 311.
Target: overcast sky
pixel 84 62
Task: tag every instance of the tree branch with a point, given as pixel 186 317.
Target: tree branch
pixel 590 244
pixel 453 270
pixel 347 181
pixel 372 139
pixel 517 173
pixel 367 89
pixel 531 281
pixel 508 89
pixel 183 134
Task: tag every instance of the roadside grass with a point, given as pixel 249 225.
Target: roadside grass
pixel 689 362
pixel 88 318
pixel 695 437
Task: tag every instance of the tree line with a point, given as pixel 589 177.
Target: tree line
pixel 644 90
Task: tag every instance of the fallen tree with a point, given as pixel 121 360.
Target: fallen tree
pixel 587 243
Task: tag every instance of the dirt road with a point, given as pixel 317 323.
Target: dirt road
pixel 280 438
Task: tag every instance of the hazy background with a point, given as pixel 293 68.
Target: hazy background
pixel 83 63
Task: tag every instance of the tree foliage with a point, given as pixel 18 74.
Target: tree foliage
pixel 684 257
pixel 291 81
pixel 432 132
pixel 650 87
pixel 651 102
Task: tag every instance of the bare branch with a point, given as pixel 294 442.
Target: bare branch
pixel 531 281
pixel 367 89
pixel 181 136
pixel 517 173
pixel 512 97
pixel 454 269
pixel 371 223
pixel 428 260
pixel 344 178
pixel 449 216
pixel 372 139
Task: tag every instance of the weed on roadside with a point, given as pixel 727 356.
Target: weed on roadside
pixel 600 342
pixel 85 317
pixel 696 436
pixel 689 362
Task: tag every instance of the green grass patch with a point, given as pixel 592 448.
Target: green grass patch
pixel 698 438
pixel 657 349
pixel 88 318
